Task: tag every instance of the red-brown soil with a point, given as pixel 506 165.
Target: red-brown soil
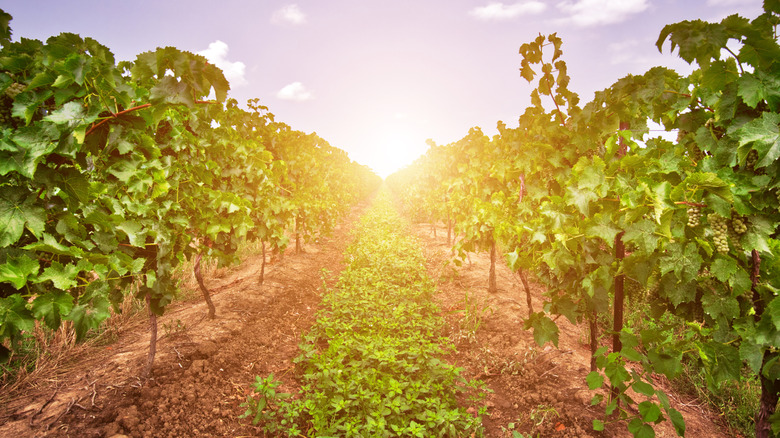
pixel 205 368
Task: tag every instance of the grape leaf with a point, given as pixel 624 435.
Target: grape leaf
pixel 665 363
pixel 728 363
pixel 642 233
pixel 758 234
pixel 677 421
pixel 684 262
pixel 51 245
pixel 716 304
pixel 15 317
pixel 711 182
pixel 723 268
pixel 751 353
pixel 764 135
pixel 70 114
pixel 773 310
pixel 135 232
pixel 17 212
pixel 17 270
pixel 51 306
pixel 661 203
pixel 545 330
pixel 5 27
pixel 649 411
pixel 86 316
pixel 170 90
pixel 581 199
pixel 759 86
pixel 595 380
pixel 27 103
pixel 603 229
pixel 513 260
pixel 63 276
pixel 697 40
pixel 643 388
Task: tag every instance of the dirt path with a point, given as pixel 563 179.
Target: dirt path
pixel 204 368
pixel 540 390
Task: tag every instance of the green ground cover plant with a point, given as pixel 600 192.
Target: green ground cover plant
pixel 372 366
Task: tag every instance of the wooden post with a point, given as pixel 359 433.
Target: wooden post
pixel 492 276
pixel 620 254
pixel 152 339
pixel 202 285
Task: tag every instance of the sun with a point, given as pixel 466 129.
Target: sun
pixel 395 145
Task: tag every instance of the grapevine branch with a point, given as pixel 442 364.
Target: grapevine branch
pixel 115 115
pixel 129 110
pixel 692 204
pixel 739 64
pixel 557 108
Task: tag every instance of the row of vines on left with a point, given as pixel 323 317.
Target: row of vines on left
pixel 113 173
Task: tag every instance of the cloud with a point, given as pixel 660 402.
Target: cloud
pixel 632 52
pixel 597 12
pixel 290 14
pixel 217 55
pixel 295 92
pixel 500 11
pixel 734 3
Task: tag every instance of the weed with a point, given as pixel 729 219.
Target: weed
pixel 265 403
pixel 473 313
pixel 510 432
pixel 538 415
pixel 174 327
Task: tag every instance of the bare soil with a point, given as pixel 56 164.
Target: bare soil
pixel 205 367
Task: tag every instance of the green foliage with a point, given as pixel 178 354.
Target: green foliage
pixel 115 173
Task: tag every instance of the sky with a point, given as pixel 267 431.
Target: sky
pixel 379 78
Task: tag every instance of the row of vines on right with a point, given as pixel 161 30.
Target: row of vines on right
pixel 586 200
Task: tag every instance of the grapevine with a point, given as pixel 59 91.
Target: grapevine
pixel 581 203
pixel 105 171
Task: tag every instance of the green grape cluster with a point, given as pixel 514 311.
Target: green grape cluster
pixel 14 89
pixel 6 119
pixel 5 115
pixel 716 130
pixel 695 153
pixel 738 225
pixel 751 160
pixel 633 288
pixel 720 231
pixel 6 102
pixel 777 194
pixel 694 216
